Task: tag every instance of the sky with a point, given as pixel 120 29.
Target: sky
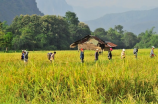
pixel 132 4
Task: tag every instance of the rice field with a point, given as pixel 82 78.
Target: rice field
pixel 68 81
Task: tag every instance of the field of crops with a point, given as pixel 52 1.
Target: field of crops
pixel 68 81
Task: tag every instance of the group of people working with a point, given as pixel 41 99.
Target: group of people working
pixel 25 53
pixel 96 55
pixel 51 56
pixel 135 51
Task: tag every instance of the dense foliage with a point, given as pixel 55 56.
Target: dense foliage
pixel 47 32
pixel 125 39
pixel 52 32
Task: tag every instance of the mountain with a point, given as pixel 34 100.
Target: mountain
pixel 86 14
pixel 134 21
pixel 53 7
pixel 11 8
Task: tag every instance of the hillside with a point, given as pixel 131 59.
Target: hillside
pixel 134 21
pixel 11 8
pixel 53 7
pixel 86 14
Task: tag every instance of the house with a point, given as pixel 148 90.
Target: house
pixel 109 45
pixel 91 42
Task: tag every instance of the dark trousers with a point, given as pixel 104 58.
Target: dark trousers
pixel 82 60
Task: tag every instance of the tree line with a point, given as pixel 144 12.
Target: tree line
pixel 51 32
pixel 125 39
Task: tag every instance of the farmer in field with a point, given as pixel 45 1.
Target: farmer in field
pixel 22 55
pixel 82 55
pixel 152 54
pixel 110 54
pixel 52 57
pixel 135 51
pixel 26 56
pixel 49 55
pixel 96 55
pixel 123 54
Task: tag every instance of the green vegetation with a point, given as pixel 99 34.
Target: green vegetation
pixel 67 80
pixel 125 39
pixel 44 32
pixel 5 37
pixel 55 32
pixel 50 32
pixel 147 39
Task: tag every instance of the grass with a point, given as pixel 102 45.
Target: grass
pixel 67 80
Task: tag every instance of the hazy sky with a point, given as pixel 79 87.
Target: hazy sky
pixel 134 4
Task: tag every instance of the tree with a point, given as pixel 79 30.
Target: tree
pixel 7 40
pixel 71 18
pixel 147 39
pixel 140 36
pixel 130 39
pixel 78 32
pixel 115 37
pixel 154 41
pixel 84 29
pixel 0 25
pixel 119 28
pixel 101 33
pixel 1 35
pixel 111 34
pixel 4 26
pixel 40 32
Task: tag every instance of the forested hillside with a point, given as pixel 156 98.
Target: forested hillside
pixel 11 8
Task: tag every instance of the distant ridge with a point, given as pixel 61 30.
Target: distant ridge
pixel 11 8
pixel 53 7
pixel 133 21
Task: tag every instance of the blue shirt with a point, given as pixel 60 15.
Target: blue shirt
pixel 82 55
pixel 22 55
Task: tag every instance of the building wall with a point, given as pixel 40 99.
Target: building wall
pixel 92 41
pixel 106 49
pixel 88 46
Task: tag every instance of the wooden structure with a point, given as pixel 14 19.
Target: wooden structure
pixel 90 42
pixel 109 45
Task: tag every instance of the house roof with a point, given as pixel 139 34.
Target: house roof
pixel 99 40
pixel 109 44
pixel 86 39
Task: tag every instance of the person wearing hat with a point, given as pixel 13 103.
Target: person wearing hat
pixel 110 54
pixel 82 55
pixel 96 55
pixel 152 52
pixel 123 54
